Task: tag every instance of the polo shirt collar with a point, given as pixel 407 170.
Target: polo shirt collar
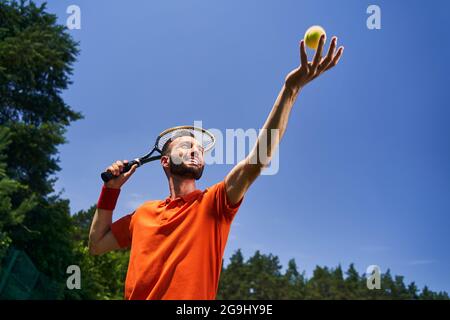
pixel 186 198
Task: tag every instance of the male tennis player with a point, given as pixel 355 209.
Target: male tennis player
pixel 177 244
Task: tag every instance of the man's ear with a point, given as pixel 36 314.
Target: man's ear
pixel 165 161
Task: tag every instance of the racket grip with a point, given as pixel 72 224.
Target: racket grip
pixel 107 175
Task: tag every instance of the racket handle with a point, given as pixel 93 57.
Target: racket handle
pixel 107 175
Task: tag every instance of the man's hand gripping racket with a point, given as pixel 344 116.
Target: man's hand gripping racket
pixel 120 171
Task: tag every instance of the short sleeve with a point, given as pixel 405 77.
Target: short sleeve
pixel 122 230
pixel 223 206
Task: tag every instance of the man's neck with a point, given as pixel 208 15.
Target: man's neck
pixel 180 186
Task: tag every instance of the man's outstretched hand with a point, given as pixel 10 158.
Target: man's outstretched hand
pixel 308 71
pixel 242 176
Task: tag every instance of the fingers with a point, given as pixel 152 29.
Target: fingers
pixel 336 58
pixel 114 168
pixel 324 64
pixel 318 55
pixel 303 56
pixel 132 170
pixel 311 70
pixel 117 167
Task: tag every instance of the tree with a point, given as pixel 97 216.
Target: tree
pixel 260 278
pixel 353 283
pixel 337 284
pixel 426 294
pixel 10 216
pixel 234 283
pixel 102 276
pixel 36 58
pixel 264 272
pixel 294 283
pixel 412 291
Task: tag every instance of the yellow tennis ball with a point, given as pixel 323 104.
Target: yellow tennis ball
pixel 312 36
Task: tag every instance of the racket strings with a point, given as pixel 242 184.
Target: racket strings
pixel 204 137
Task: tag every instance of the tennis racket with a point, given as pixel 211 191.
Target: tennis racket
pixel 205 137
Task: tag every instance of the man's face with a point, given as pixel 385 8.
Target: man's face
pixel 186 158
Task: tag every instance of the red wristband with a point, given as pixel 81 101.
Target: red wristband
pixel 108 198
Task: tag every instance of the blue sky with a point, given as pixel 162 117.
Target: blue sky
pixel 365 162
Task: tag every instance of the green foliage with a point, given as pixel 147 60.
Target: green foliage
pixel 260 277
pixel 36 57
pixel 102 276
pixel 45 237
pixel 10 215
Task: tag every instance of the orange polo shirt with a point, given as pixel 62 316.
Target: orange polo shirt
pixel 177 245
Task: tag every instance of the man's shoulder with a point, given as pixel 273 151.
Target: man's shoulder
pixel 148 205
pixel 215 186
pixel 214 190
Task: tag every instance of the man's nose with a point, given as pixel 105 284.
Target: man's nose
pixel 195 152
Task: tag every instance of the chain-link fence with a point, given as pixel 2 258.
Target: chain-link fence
pixel 20 280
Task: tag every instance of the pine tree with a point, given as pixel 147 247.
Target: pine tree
pixel 265 280
pixel 260 278
pixel 36 58
pixel 353 283
pixel 294 283
pixel 338 289
pixel 10 215
pixel 234 283
pixel 426 294
pixel 412 291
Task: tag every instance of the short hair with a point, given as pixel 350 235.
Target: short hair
pixel 182 133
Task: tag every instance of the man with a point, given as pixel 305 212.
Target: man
pixel 177 244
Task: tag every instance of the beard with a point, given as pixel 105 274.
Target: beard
pixel 183 170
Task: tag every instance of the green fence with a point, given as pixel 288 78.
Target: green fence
pixel 20 280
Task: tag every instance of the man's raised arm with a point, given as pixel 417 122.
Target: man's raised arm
pixel 101 238
pixel 246 171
